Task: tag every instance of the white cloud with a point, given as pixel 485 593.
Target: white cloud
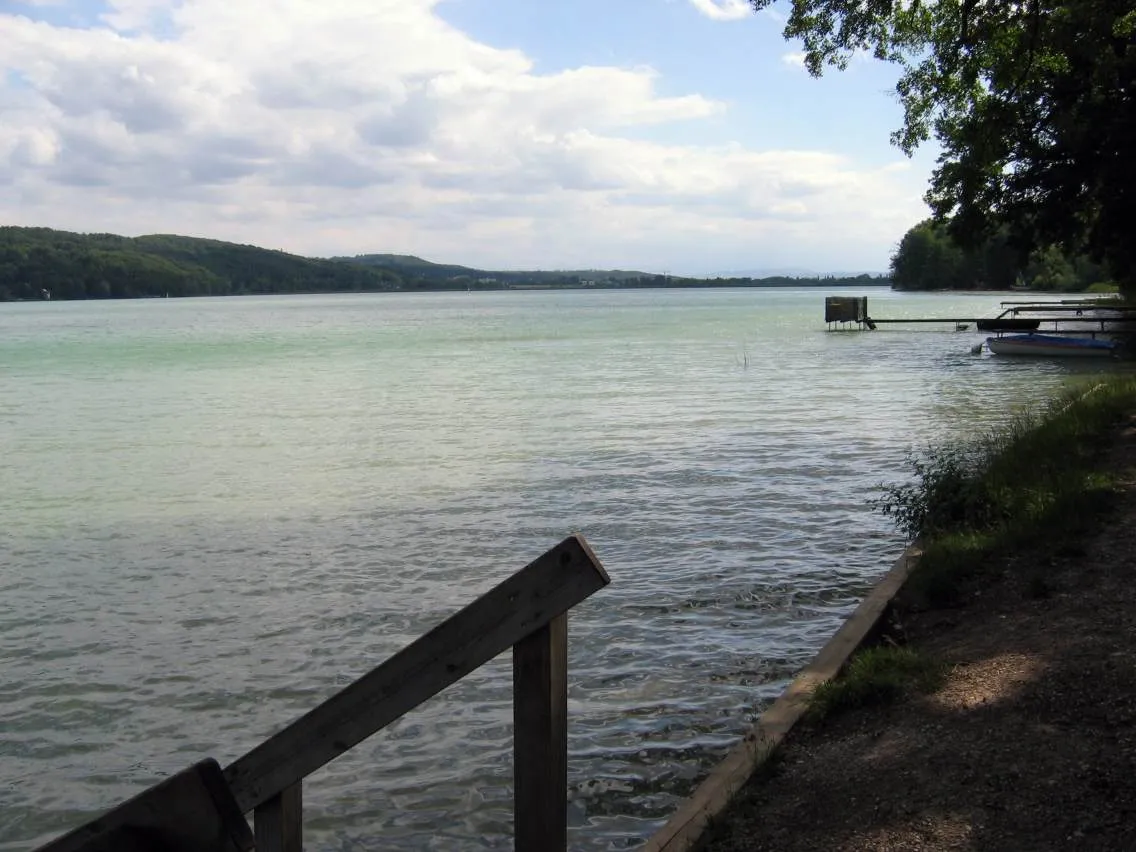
pixel 348 126
pixel 796 58
pixel 29 146
pixel 723 10
pixel 125 15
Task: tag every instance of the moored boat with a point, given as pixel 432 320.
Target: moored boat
pixel 1051 345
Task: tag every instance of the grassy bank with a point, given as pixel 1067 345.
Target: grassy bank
pixel 1038 480
pixel 1020 621
pixel 1015 618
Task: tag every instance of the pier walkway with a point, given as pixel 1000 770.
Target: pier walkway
pixel 1070 316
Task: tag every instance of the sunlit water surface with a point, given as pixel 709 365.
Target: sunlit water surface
pixel 217 512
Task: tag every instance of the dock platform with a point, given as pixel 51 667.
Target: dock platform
pixel 1100 316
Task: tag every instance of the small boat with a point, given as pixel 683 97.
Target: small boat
pixel 1051 345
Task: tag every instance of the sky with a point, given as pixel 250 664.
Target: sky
pixel 679 136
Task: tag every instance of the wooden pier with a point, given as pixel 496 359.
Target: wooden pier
pixel 1016 316
pixel 202 808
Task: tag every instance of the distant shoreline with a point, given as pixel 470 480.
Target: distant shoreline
pixel 806 283
pixel 41 264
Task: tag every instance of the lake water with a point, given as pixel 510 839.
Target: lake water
pixel 218 512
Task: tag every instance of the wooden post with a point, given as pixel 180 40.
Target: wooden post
pixel 278 824
pixel 540 739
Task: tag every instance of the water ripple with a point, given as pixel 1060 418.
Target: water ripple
pixel 222 511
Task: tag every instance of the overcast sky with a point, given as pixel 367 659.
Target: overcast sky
pixel 665 135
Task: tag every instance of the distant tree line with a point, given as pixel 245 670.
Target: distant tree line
pixel 929 258
pixel 38 263
pixel 863 280
pixel 448 274
pixel 35 262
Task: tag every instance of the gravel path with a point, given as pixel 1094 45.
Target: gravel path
pixel 1031 743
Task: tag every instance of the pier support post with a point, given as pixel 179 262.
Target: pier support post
pixel 540 738
pixel 278 824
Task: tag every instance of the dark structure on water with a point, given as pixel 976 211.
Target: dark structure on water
pixel 1070 316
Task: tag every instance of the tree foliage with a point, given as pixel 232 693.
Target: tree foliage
pixel 929 258
pixel 37 262
pixel 1033 103
pixel 34 261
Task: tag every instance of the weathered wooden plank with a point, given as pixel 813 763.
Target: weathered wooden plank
pixel 192 811
pixel 278 824
pixel 685 827
pixel 540 739
pixel 542 590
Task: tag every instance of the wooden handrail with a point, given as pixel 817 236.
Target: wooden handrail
pixel 531 603
pixel 528 612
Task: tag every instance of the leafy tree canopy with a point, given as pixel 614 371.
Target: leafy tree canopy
pixel 929 258
pixel 37 262
pixel 1032 101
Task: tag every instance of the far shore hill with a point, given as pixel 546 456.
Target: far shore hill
pixel 42 263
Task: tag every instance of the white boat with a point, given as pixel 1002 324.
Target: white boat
pixel 1051 345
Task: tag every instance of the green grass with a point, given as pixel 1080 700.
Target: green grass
pixel 1016 476
pixel 1102 287
pixel 947 562
pixel 1036 481
pixel 875 676
pixel 1033 481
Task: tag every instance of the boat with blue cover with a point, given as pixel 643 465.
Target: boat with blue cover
pixel 1051 345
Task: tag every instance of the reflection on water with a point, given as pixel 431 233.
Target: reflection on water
pixel 219 512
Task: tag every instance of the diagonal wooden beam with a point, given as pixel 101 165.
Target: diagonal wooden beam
pixel 544 589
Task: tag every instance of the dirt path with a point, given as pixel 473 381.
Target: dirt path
pixel 1030 745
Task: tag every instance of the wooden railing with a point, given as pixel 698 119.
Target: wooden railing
pixel 527 612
